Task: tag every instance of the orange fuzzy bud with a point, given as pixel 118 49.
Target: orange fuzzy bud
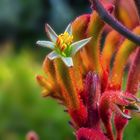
pixel 126 48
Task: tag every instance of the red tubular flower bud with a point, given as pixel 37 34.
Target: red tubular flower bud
pixel 133 82
pixel 90 134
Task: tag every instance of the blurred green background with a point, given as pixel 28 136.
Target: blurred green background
pixel 21 106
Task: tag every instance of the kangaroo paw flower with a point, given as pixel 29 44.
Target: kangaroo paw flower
pixel 85 82
pixel 62 45
pixel 116 102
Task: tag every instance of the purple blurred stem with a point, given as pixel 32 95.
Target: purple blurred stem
pixel 115 24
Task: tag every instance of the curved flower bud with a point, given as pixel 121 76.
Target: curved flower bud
pixel 134 74
pixel 117 102
pixel 91 96
pixel 62 45
pixel 119 121
pixel 122 55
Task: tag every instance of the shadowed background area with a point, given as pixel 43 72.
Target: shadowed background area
pixel 21 106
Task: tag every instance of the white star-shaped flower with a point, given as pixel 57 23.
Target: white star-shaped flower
pixel 62 45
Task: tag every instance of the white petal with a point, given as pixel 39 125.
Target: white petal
pixel 76 46
pixel 47 44
pixel 68 61
pixel 52 55
pixel 51 33
pixel 69 29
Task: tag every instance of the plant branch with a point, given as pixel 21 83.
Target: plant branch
pixel 115 24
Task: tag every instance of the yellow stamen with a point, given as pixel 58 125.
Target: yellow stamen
pixel 64 40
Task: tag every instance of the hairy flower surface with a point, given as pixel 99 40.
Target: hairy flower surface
pixel 87 83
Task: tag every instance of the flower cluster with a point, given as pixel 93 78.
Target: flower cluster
pixel 80 75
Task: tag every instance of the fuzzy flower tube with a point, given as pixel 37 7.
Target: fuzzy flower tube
pixel 80 75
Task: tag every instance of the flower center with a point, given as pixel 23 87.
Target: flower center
pixel 64 41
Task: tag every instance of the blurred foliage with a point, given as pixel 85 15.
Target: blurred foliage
pixel 132 130
pixel 21 105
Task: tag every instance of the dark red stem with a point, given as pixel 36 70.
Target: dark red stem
pixel 115 24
